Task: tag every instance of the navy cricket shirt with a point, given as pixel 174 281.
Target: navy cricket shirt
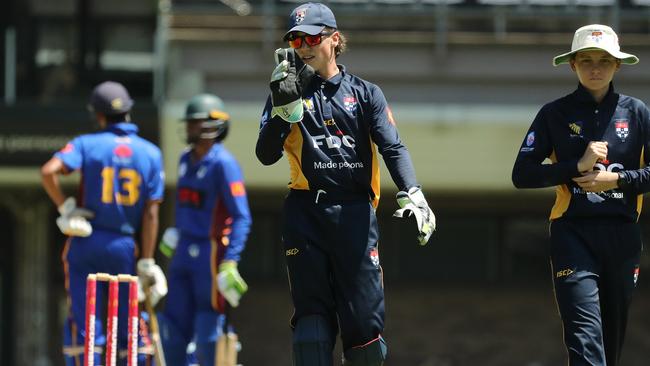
pixel 561 132
pixel 346 121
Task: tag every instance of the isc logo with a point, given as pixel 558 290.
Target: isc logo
pixel 564 273
pixel 333 142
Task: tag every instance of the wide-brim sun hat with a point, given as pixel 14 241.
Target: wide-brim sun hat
pixel 596 37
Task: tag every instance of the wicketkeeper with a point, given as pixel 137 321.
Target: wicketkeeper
pixel 331 125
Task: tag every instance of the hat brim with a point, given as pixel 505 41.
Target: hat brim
pixel 309 29
pixel 625 58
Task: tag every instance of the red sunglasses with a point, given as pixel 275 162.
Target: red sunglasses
pixel 295 41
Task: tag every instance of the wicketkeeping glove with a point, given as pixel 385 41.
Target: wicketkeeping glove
pixel 288 80
pixel 151 276
pixel 231 285
pixel 413 203
pixel 73 220
pixel 169 242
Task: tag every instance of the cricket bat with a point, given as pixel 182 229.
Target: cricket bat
pixel 158 354
pixel 226 354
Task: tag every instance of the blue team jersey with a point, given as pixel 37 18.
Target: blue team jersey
pixel 211 200
pixel 120 173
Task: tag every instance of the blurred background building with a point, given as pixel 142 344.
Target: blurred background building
pixel 464 79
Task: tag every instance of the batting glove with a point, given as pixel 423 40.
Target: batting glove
pixel 151 281
pixel 287 82
pixel 73 220
pixel 413 203
pixel 169 242
pixel 231 285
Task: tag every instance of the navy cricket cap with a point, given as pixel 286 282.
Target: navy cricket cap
pixel 310 18
pixel 110 98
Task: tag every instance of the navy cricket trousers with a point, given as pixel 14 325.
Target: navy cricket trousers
pixel 595 266
pixel 333 264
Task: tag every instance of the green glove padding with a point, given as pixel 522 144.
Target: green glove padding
pixel 169 242
pixel 413 203
pixel 231 285
pixel 288 80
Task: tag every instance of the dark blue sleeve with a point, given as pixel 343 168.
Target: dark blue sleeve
pixel 529 170
pixel 384 134
pixel 638 181
pixel 233 193
pixel 273 132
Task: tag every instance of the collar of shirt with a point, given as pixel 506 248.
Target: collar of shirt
pixel 335 80
pixel 210 155
pixel 582 95
pixel 122 128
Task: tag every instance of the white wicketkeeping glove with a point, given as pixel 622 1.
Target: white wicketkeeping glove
pixel 413 203
pixel 73 220
pixel 151 276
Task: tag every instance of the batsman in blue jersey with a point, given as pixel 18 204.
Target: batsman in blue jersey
pixel 212 224
pixel 331 125
pixel 121 189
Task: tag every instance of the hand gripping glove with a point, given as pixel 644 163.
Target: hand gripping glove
pixel 169 242
pixel 73 220
pixel 413 203
pixel 288 80
pixel 152 280
pixel 231 285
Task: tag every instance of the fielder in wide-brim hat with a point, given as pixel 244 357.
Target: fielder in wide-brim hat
pixel 596 36
pixel 598 142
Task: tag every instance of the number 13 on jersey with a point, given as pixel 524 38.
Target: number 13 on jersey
pixel 128 181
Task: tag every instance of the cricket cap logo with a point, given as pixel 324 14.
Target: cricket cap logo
pixel 300 15
pixel 596 36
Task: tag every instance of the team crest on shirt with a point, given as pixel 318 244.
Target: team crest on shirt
pixel 309 104
pixel 350 103
pixel 374 257
pixel 636 275
pixel 123 151
pixel 300 15
pixel 530 141
pixel 122 154
pixel 622 129
pixel 576 129
pixel 201 172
